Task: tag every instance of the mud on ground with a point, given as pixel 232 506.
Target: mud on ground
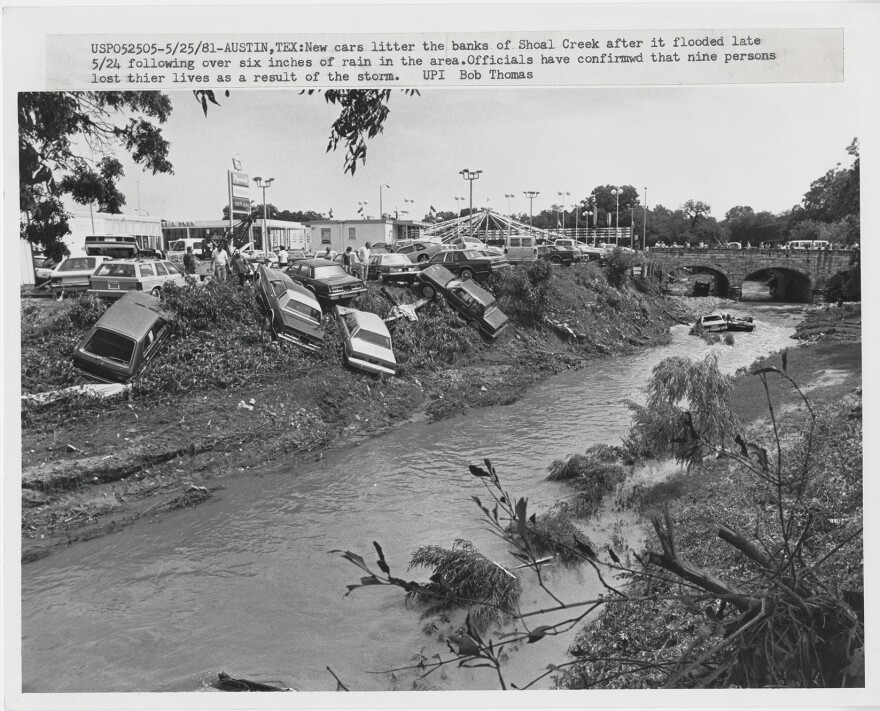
pixel 89 467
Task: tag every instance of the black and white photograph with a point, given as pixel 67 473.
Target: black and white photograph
pixel 375 391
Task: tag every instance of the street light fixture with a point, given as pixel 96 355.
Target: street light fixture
pixel 458 211
pixel 531 195
pixel 263 184
pixel 616 193
pixel 471 176
pixel 363 208
pixel 563 195
pixel 508 196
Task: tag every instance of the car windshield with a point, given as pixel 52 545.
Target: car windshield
pixel 111 269
pixel 326 272
pixel 77 264
pixel 112 346
pixel 395 259
pixel 301 309
pixel 377 339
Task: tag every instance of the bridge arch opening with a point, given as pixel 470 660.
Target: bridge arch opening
pixel 777 284
pixel 705 281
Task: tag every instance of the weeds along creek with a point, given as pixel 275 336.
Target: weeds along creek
pixel 246 583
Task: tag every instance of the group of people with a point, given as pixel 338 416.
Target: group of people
pixel 227 263
pixel 356 263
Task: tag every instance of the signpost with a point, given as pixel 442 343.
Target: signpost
pixel 239 195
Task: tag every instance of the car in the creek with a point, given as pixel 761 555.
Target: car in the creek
pixel 710 323
pixel 72 273
pixel 117 276
pixel 325 279
pixel 557 255
pixel 392 267
pixel 419 250
pixel 476 305
pixel 125 339
pixel 366 341
pixel 468 263
pixel 294 312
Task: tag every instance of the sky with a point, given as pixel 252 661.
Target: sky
pixel 736 145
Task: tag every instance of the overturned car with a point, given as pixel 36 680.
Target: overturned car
pixel 294 312
pixel 125 339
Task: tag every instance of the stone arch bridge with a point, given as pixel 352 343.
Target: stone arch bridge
pixel 801 275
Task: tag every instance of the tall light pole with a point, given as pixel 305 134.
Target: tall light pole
pixel 508 196
pixel 406 212
pixel 531 195
pixel 263 184
pixel 616 193
pixel 563 195
pixel 381 213
pixel 471 176
pixel 645 222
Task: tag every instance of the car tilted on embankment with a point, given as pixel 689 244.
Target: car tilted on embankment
pixel 294 312
pixel 125 339
pixel 476 305
pixel 366 341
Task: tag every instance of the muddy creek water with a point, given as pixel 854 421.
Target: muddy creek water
pixel 245 582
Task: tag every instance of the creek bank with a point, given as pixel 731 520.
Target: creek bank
pixel 89 467
pixel 656 633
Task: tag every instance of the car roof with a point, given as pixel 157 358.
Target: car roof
pixel 318 262
pixel 476 290
pixel 369 321
pixel 133 315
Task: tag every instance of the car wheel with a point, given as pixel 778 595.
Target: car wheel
pixel 555 260
pixel 474 326
pixel 428 291
pixel 467 274
pixel 156 291
pixel 422 258
pixel 381 278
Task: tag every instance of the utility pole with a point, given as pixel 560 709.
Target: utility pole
pixel 531 195
pixel 471 176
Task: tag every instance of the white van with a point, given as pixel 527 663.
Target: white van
pixel 807 244
pixel 520 248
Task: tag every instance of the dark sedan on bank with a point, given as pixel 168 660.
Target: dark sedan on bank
pixel 125 339
pixel 325 279
pixel 392 267
pixel 294 312
pixel 468 263
pixel 476 305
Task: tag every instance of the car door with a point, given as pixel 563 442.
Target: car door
pixel 152 343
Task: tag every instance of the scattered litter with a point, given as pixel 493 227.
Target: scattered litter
pixel 71 448
pixel 242 405
pixel 252 401
pixel 98 390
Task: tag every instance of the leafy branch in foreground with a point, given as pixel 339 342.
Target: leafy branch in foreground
pixel 767 609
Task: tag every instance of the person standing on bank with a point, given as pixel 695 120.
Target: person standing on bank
pixel 189 264
pixel 364 258
pixel 348 258
pixel 220 259
pixel 240 268
pixel 282 257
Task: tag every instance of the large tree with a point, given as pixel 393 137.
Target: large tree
pixel 67 145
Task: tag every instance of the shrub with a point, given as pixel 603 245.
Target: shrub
pixel 592 477
pixel 463 577
pixel 524 292
pixel 554 532
pixel 439 337
pixel 619 267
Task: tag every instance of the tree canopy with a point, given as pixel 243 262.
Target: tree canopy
pixel 67 143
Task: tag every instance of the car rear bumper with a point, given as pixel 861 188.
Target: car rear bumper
pixel 355 362
pixel 299 341
pixel 110 293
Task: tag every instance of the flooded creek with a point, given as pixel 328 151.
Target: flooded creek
pixel 246 583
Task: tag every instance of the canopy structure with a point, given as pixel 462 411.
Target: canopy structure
pixel 483 224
